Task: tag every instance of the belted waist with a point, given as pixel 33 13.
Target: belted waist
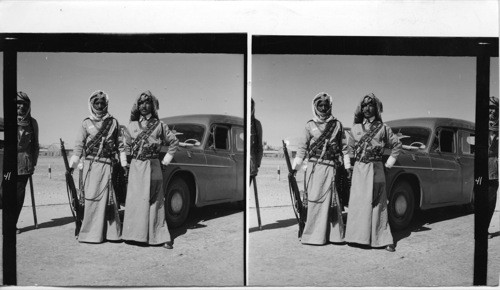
pixel 369 158
pixel 329 155
pixel 334 163
pixel 101 159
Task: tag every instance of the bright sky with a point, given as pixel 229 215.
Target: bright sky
pixel 283 87
pixel 60 84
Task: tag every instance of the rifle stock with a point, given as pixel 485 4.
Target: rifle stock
pixel 74 202
pixel 298 207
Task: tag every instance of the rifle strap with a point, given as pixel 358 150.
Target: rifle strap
pixel 96 140
pixel 374 128
pixel 151 126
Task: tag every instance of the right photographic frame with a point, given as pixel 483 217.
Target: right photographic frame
pixel 373 162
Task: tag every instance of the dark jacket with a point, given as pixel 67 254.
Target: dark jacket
pixel 27 148
pixel 256 148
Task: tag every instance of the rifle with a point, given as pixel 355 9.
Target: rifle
pixel 252 178
pixel 76 207
pixel 298 207
pixel 33 202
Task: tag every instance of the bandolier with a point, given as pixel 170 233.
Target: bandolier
pixel 326 147
pixel 365 153
pixel 100 146
pixel 141 150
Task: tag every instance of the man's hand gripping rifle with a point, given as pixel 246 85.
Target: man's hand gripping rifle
pixel 74 202
pixel 298 207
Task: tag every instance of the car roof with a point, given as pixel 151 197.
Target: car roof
pixel 432 122
pixel 204 119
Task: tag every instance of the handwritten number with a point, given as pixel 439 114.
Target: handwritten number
pixel 7 176
pixel 479 180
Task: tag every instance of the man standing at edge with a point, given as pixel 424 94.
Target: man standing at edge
pixel 492 159
pixel 27 148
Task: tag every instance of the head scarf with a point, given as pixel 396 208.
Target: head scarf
pixel 135 114
pixel 25 119
pixel 318 116
pixel 368 99
pixel 493 124
pixel 98 115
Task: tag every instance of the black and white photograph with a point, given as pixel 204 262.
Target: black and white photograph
pixel 135 164
pixel 249 144
pixel 366 162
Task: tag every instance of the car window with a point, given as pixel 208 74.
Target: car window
pixel 219 137
pixel 446 141
pixel 239 138
pixel 466 147
pixel 412 136
pixel 185 132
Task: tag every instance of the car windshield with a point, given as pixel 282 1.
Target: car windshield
pixel 190 132
pixel 412 136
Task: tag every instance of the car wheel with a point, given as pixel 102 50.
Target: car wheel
pixel 177 202
pixel 401 206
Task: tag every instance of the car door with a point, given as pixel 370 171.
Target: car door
pixel 446 167
pixel 221 163
pixel 238 137
pixel 467 164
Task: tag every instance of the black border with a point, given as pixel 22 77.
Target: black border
pixel 12 43
pixel 482 48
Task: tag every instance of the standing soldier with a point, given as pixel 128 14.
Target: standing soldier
pixel 367 220
pixel 322 144
pixel 257 151
pixel 98 143
pixel 492 158
pixel 144 219
pixel 27 148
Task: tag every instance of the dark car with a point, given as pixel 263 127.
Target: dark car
pixel 435 168
pixel 208 166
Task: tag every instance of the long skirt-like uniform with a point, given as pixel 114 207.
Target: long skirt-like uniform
pixel 367 224
pixel 324 222
pixel 100 220
pixel 144 219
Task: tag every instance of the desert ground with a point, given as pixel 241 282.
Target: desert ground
pixel 437 249
pixel 208 249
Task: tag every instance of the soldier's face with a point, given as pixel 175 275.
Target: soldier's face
pixel 369 111
pixel 145 107
pixel 99 104
pixel 323 106
pixel 493 114
pixel 22 108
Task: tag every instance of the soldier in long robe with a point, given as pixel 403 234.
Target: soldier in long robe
pixel 322 145
pixel 98 143
pixel 144 219
pixel 367 218
pixel 27 148
pixel 492 158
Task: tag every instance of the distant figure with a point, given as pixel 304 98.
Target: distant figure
pixel 322 144
pixel 256 148
pixel 492 158
pixel 367 219
pixel 144 219
pixel 27 148
pixel 98 142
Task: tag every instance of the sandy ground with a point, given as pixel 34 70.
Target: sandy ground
pixel 208 249
pixel 437 250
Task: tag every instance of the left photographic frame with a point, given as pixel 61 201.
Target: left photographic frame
pixel 199 81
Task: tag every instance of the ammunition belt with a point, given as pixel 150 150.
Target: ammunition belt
pixel 369 158
pixel 147 154
pixel 105 160
pixel 329 155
